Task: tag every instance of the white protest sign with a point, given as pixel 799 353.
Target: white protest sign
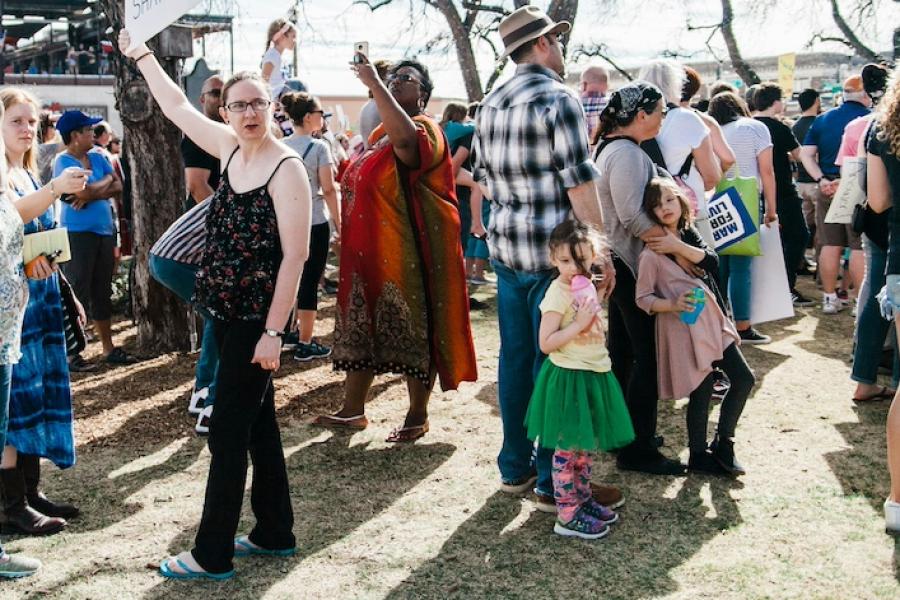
pixel 146 18
pixel 849 192
pixel 770 295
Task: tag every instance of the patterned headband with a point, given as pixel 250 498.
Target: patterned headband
pixel 625 102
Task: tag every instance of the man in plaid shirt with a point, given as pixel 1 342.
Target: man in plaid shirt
pixel 531 153
pixel 594 85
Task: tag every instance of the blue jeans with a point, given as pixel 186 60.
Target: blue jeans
pixel 871 328
pixel 5 383
pixel 734 272
pixel 519 295
pixel 179 277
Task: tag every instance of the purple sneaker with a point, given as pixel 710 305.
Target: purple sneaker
pixel 583 526
pixel 600 512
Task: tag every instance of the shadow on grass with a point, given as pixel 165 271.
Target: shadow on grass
pixel 102 498
pixel 334 492
pixel 494 554
pixel 862 469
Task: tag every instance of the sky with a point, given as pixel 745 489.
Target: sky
pixel 634 32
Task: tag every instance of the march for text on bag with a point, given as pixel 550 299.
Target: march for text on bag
pixel 734 216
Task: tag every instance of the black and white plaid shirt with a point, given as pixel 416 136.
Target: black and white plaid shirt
pixel 530 146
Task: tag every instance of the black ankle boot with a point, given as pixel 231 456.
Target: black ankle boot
pixel 722 450
pixel 703 462
pixel 18 517
pixel 31 470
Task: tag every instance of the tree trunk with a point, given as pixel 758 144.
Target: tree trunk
pixel 464 53
pixel 741 67
pixel 152 145
pixel 852 39
pixel 563 10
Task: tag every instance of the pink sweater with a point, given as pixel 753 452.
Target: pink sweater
pixel 684 353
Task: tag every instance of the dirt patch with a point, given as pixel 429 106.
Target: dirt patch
pixel 426 521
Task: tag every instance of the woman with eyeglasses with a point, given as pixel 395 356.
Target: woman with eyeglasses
pixel 634 114
pixel 307 116
pixel 402 302
pixel 257 235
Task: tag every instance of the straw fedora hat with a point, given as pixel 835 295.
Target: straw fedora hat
pixel 525 24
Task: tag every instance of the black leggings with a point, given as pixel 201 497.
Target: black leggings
pixel 632 349
pixel 742 380
pixel 308 296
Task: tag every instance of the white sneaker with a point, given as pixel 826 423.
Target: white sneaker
pixel 891 516
pixel 198 399
pixel 202 426
pixel 831 305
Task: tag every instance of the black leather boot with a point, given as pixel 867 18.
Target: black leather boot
pixel 722 450
pixel 31 470
pixel 18 517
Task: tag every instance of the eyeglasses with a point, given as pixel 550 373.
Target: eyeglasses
pixel 215 92
pixel 239 106
pixel 403 78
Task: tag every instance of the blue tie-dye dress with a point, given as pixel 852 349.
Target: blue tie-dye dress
pixel 40 404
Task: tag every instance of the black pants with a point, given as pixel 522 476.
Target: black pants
pixel 308 296
pixel 632 349
pixel 741 378
pixel 244 419
pixel 91 272
pixel 794 234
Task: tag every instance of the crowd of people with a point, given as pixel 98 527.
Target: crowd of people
pixel 590 212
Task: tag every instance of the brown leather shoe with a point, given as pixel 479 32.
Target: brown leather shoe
pixel 24 519
pixel 18 517
pixel 608 495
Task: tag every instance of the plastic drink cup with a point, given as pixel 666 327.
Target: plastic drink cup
pixel 582 289
pixel 699 297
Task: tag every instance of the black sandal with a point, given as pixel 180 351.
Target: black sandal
pixel 119 357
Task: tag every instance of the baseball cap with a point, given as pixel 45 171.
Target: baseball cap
pixel 75 119
pixel 853 83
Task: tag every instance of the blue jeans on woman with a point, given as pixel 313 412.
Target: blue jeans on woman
pixel 871 328
pixel 734 271
pixel 5 384
pixel 179 277
pixel 519 295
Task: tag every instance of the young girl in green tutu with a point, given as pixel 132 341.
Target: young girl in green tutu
pixel 577 404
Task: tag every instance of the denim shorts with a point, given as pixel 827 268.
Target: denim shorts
pixel 893 290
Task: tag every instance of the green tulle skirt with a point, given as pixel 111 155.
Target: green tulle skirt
pixel 577 410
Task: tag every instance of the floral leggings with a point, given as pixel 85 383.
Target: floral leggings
pixel 571 482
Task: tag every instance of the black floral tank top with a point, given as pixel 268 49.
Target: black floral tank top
pixel 236 280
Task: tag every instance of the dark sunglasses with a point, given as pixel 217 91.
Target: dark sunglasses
pixel 216 93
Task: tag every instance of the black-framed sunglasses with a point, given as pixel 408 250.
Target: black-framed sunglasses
pixel 239 106
pixel 215 93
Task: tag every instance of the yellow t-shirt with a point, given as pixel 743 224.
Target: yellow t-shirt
pixel 587 352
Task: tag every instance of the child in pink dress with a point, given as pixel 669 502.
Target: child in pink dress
pixel 669 269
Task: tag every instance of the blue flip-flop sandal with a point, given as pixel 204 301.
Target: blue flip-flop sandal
pixel 244 547
pixel 189 573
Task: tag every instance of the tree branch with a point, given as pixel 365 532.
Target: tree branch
pixel 600 51
pixel 852 39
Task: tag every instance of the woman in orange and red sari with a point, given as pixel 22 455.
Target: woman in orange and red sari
pixel 402 301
